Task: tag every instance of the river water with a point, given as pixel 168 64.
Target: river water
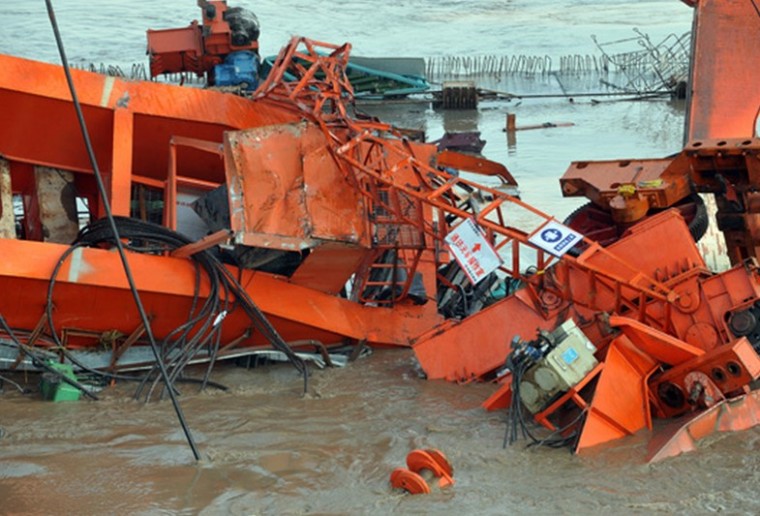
pixel 269 450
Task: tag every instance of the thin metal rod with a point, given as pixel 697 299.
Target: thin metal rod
pixel 117 239
pixel 22 349
pixel 642 94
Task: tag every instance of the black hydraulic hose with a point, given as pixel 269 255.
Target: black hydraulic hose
pixel 179 351
pixel 43 363
pixel 106 374
pixel 54 333
pixel 516 417
pixel 219 277
pixel 117 240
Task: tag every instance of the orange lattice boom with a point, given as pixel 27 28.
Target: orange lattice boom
pixel 374 155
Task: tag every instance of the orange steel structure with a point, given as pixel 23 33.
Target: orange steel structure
pixel 677 362
pixel 148 134
pixel 367 212
pixel 720 155
pixel 411 478
pixel 166 137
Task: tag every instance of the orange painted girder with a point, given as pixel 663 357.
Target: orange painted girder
pixel 32 91
pixel 656 344
pixel 140 97
pixel 725 96
pixel 92 293
pixel 480 343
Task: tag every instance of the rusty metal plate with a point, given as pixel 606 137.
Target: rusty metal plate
pixel 7 221
pixel 287 193
pixel 57 204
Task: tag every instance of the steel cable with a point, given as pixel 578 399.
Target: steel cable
pixel 107 209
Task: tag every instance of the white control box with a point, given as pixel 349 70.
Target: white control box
pixel 562 368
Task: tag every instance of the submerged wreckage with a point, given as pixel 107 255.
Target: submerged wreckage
pixel 277 216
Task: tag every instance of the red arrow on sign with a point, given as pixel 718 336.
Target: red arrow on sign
pixel 476 248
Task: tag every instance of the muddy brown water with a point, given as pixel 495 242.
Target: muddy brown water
pixel 269 450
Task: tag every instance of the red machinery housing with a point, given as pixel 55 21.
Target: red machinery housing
pixel 198 48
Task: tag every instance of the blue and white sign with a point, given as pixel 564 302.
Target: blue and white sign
pixel 555 238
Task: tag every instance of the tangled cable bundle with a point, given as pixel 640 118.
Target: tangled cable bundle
pixel 517 424
pixel 202 330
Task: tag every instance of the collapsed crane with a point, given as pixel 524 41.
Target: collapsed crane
pixel 342 228
pixel 660 323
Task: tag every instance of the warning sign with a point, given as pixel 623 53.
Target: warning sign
pixel 472 251
pixel 555 238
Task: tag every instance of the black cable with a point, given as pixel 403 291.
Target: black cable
pixel 54 334
pixel 516 422
pixel 93 234
pixel 561 442
pixel 757 10
pixel 39 362
pixel 117 240
pixel 222 284
pixel 205 382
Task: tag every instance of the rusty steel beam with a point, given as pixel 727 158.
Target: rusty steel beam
pixel 207 242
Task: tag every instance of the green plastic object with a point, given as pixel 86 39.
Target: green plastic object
pixel 53 388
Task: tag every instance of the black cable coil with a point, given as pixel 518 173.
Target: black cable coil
pixel 203 326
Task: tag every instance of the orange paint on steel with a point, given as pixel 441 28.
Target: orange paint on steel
pixel 654 183
pixel 196 48
pixel 395 178
pixel 632 261
pixel 460 161
pixel 733 415
pixel 630 389
pixel 220 237
pixel 435 462
pixel 725 70
pixel 288 169
pixel 422 463
pixel 502 397
pixel 620 404
pixel 730 168
pixel 409 481
pixel 96 297
pixel 147 121
pixel 479 344
pixel 728 368
pixel 31 91
pixel 329 266
pixel 657 344
pixel 721 140
pixel 373 162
